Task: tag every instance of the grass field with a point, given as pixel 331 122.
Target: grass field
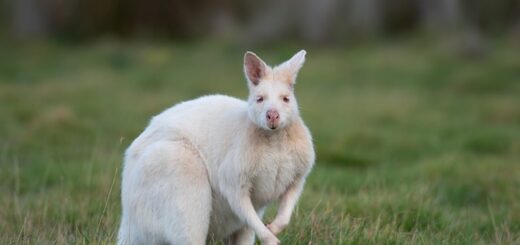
pixel 415 145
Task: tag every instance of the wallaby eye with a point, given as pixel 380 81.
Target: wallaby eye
pixel 286 99
pixel 259 99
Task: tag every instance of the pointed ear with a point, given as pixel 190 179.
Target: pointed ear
pixel 254 68
pixel 293 65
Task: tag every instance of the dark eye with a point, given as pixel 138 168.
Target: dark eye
pixel 259 99
pixel 286 99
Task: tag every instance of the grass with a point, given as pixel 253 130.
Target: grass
pixel 415 145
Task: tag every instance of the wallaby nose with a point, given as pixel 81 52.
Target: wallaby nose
pixel 272 116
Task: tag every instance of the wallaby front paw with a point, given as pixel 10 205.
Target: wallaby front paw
pixel 271 240
pixel 275 227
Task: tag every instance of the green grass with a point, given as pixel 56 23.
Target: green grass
pixel 415 145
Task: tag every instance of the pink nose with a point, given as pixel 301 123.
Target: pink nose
pixel 272 116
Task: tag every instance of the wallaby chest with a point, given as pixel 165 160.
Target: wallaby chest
pixel 273 173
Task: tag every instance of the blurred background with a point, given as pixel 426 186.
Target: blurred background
pixel 247 21
pixel 414 106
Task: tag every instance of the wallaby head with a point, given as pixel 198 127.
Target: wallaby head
pixel 272 104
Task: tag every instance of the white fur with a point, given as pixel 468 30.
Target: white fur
pixel 207 168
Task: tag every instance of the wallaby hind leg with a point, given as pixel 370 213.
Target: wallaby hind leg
pixel 173 194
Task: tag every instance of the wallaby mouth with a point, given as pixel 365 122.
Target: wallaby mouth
pixel 273 126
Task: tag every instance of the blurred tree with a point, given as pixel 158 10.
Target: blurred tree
pixel 365 17
pixel 29 19
pixel 269 20
pixel 440 15
pixel 316 19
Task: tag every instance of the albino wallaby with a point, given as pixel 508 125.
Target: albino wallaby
pixel 206 169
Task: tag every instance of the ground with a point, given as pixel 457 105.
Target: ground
pixel 415 143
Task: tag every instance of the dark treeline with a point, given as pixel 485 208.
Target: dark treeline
pixel 263 21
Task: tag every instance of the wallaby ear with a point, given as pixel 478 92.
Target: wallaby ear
pixel 296 62
pixel 293 65
pixel 254 68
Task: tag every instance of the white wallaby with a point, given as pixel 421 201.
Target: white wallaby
pixel 206 169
